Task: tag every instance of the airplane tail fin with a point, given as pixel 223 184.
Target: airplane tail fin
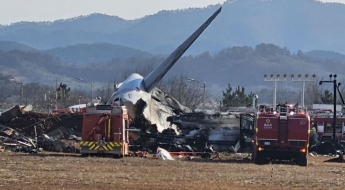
pixel 157 74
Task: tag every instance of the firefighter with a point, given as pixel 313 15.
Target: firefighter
pixel 313 138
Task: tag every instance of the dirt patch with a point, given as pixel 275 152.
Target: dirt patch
pixel 70 171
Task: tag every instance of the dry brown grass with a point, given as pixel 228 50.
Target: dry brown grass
pixel 65 171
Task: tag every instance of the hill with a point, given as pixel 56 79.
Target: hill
pixel 82 54
pixel 8 46
pixel 326 55
pixel 93 28
pixel 238 66
pixel 296 24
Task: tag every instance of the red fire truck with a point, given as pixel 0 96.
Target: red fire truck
pixel 104 131
pixel 281 135
pixel 322 120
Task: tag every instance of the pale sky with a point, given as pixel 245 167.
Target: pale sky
pixel 12 11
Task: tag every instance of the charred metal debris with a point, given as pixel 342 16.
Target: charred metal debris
pixel 29 130
pixel 22 130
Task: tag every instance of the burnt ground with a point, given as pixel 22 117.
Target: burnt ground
pixel 70 171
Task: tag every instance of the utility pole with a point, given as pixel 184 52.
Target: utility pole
pixel 275 80
pixel 204 94
pixel 334 81
pixel 21 89
pixel 303 81
pixel 56 92
pixel 21 93
pixel 48 99
pixel 91 91
pixel 91 84
pixel 255 97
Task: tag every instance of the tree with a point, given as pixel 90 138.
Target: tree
pixel 327 97
pixel 313 92
pixel 235 98
pixel 63 95
pixel 6 88
pixel 188 93
pixel 63 91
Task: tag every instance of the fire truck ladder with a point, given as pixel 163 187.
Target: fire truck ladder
pixel 283 131
pixel 102 119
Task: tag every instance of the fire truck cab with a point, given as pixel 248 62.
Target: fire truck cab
pixel 281 135
pixel 105 131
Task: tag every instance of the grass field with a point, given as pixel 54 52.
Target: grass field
pixel 66 171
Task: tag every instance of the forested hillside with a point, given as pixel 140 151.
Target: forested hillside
pixel 238 66
pixel 83 54
pixel 296 24
pixel 8 46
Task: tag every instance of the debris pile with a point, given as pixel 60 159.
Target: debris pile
pixel 10 139
pixel 61 132
pixel 19 125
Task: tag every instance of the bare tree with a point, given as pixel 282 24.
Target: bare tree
pixel 7 88
pixel 313 92
pixel 187 93
pixel 106 91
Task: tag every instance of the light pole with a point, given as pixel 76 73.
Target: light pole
pixel 255 97
pixel 56 87
pixel 303 81
pixel 91 84
pixel 203 96
pixel 275 80
pixel 334 81
pixel 21 90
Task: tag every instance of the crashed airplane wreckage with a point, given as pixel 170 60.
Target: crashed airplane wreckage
pixel 150 108
pixel 140 97
pixel 197 131
pixel 153 111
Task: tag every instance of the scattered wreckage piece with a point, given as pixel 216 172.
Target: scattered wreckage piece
pixel 59 145
pixel 15 111
pixel 329 147
pixel 163 154
pixel 140 154
pixel 200 129
pixel 14 141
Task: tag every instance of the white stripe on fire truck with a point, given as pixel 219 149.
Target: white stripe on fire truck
pixel 338 134
pixel 267 139
pixel 296 140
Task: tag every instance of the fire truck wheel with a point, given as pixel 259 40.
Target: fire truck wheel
pixel 118 156
pixel 302 162
pixel 258 160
